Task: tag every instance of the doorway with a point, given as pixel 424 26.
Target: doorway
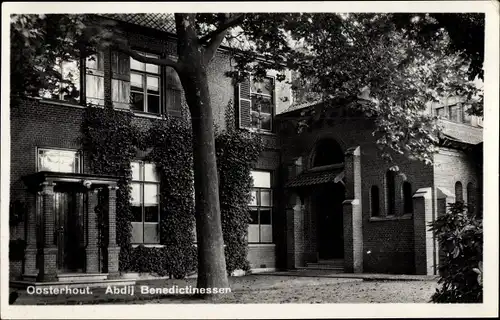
pixel 69 229
pixel 329 212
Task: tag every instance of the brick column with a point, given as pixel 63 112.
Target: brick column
pixel 443 198
pixel 48 264
pixel 425 254
pixel 113 248
pixel 353 218
pixel 31 243
pixel 92 249
pixel 294 231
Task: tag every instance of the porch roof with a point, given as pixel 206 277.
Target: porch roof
pixel 315 177
pixel 35 179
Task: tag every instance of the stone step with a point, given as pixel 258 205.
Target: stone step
pixel 79 277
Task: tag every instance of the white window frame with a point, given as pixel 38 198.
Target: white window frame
pixel 144 73
pixel 258 206
pixel 142 182
pixel 272 98
pixel 76 152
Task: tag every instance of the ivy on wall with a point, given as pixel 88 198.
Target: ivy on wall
pixel 236 151
pixel 110 141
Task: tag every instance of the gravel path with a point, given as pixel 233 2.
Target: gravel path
pixel 264 289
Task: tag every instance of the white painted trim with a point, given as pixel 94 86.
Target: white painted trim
pixel 256 245
pixel 135 245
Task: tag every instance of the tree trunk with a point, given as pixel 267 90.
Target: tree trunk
pixel 211 260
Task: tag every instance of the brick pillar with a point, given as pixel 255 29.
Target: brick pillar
pixel 443 198
pixel 31 243
pixel 425 254
pixel 113 248
pixel 294 231
pixel 92 249
pixel 48 264
pixel 353 218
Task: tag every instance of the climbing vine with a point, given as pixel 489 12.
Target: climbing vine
pixel 237 151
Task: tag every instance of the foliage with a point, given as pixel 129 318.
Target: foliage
pixel 236 153
pixel 460 235
pixel 108 139
pixel 172 154
pixel 16 249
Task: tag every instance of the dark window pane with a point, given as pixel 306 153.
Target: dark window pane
pixel 255 120
pixel 136 213
pixel 459 192
pixel 391 192
pixel 407 197
pixel 266 122
pixel 153 104
pixel 254 216
pixel 137 101
pixel 375 201
pixel 151 214
pixel 266 106
pixel 265 216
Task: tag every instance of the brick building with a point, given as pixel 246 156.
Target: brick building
pixel 324 196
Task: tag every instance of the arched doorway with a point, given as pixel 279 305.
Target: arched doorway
pixel 327 200
pixel 329 213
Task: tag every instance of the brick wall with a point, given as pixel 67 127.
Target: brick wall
pixel 387 241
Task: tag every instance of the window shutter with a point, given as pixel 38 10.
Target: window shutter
pixel 244 103
pixel 173 95
pixel 120 82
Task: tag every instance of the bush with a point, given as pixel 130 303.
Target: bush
pixel 460 236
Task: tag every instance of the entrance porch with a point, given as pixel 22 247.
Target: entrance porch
pixel 71 235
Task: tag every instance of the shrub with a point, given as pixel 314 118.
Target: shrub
pixel 460 236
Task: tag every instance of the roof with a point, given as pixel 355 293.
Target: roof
pixel 299 106
pixel 314 177
pixel 461 132
pixel 159 21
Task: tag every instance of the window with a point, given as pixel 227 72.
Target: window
pixel 440 112
pixel 256 103
pixel 145 86
pixel 390 180
pixel 407 198
pixel 327 152
pixel 459 197
pixel 145 203
pixel 471 199
pixel 58 160
pixel 454 112
pixel 260 227
pixel 68 87
pixel 466 117
pixel 375 201
pixel 94 79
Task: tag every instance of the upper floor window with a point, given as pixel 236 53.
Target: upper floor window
pixel 145 86
pixel 260 228
pixel 145 203
pixel 67 87
pixel 256 103
pixel 58 160
pixel 459 197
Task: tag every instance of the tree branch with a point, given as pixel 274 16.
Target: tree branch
pixel 230 22
pixel 156 61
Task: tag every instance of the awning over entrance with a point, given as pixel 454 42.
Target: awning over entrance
pixel 315 177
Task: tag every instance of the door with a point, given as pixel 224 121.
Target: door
pixel 329 213
pixel 69 228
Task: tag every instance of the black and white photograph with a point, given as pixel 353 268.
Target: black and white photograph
pixel 249 160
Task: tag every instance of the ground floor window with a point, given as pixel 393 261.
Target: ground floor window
pixel 145 203
pixel 260 228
